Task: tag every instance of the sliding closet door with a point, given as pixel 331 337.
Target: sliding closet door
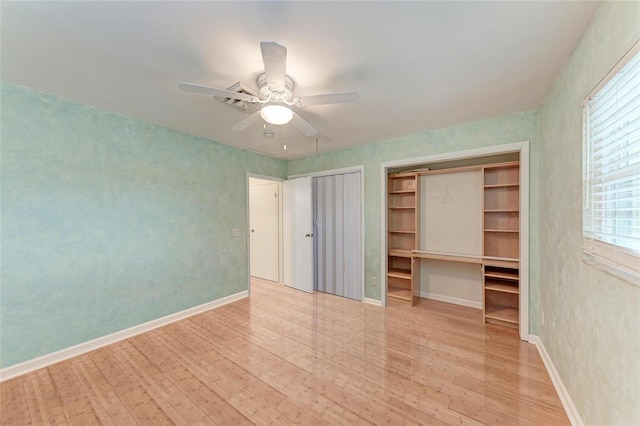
pixel 338 242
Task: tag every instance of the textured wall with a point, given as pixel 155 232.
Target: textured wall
pixel 109 222
pixel 496 131
pixel 592 320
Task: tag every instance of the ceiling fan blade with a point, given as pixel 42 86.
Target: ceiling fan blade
pixel 329 98
pixel 302 125
pixel 274 57
pixel 212 91
pixel 247 122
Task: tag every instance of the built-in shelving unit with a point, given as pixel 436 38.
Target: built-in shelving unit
pixel 501 239
pixel 402 226
pixel 500 233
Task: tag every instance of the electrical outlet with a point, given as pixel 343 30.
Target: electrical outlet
pixel 374 281
pixel 235 232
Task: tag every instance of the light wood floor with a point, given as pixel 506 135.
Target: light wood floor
pixel 286 357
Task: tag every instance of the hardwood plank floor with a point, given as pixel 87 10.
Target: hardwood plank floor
pixel 287 357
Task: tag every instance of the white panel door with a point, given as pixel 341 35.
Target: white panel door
pixel 263 231
pixel 297 234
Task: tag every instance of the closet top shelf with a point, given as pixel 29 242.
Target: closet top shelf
pixel 505 165
pixel 404 191
pixel 402 175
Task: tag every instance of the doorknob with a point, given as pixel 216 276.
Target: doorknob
pixel 309 235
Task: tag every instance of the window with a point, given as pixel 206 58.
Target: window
pixel 611 170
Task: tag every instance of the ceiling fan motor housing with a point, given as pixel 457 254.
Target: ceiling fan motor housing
pixel 266 93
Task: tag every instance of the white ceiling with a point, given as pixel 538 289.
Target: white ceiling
pixel 417 66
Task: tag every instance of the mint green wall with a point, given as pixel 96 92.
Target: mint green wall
pixel 109 222
pixel 495 131
pixel 592 320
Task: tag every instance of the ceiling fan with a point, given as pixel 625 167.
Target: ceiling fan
pixel 276 93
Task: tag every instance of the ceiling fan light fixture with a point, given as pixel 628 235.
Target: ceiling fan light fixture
pixel 276 114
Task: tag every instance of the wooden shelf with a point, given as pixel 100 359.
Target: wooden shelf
pixel 400 293
pixel 399 273
pixel 403 221
pixel 502 185
pixel 502 244
pixel 405 191
pixel 513 263
pixel 502 313
pixel 504 288
pixel 400 175
pixel 505 197
pixel 502 275
pixel 448 257
pixel 501 234
pixel 399 252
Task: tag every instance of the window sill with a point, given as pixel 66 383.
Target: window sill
pixel 615 271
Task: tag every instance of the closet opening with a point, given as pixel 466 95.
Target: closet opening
pixel 455 229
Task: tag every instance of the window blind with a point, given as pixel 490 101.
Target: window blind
pixel 611 169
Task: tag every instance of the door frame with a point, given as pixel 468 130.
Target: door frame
pixel 341 171
pixel 248 223
pixel 522 148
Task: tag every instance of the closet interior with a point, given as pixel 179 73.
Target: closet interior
pixel 441 216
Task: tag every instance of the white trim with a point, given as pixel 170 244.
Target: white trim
pixel 456 301
pixel 372 301
pixel 61 355
pixel 363 226
pixel 263 177
pixel 613 270
pixel 248 225
pixel 331 172
pixel 565 397
pixel 524 241
pixel 520 147
pixel 383 237
pixel 457 155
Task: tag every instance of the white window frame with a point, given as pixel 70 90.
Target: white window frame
pixel 617 260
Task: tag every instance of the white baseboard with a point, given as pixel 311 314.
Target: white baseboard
pixel 565 398
pixel 454 300
pixel 55 357
pixel 372 301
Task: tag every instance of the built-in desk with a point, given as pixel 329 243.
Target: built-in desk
pixel 500 281
pixel 508 262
